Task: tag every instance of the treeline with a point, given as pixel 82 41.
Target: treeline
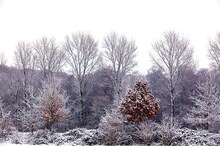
pixel 38 94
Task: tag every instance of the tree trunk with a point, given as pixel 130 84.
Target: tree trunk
pixel 49 125
pixel 32 129
pixel 172 112
pixel 82 116
pixel 172 99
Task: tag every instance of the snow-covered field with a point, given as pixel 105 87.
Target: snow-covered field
pixel 10 144
pixel 182 137
pixel 42 138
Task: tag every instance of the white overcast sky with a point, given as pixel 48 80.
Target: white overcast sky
pixel 145 21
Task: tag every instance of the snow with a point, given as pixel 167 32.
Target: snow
pixel 10 144
pixel 82 136
pixel 71 137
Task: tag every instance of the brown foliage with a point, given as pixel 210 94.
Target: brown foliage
pixel 52 106
pixel 139 104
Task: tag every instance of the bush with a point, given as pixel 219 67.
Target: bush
pixel 42 137
pixel 6 124
pixel 110 126
pixel 167 132
pixel 79 136
pixel 148 133
pixel 114 130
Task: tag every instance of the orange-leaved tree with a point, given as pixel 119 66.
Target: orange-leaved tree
pixel 52 104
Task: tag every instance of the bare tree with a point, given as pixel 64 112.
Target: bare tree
pixel 3 60
pixel 25 62
pixel 49 57
pixel 214 52
pixel 27 114
pixel 6 124
pixel 171 54
pixel 120 53
pixel 82 56
pixel 206 110
pixel 13 88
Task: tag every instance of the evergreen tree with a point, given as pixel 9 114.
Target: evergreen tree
pixel 139 105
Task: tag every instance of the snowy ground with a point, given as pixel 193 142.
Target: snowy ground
pixel 69 138
pixel 9 144
pixel 83 137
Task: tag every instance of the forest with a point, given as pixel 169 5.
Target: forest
pixel 87 92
